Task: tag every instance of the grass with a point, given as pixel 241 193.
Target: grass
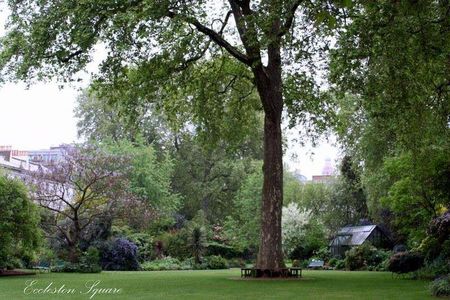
pixel 223 284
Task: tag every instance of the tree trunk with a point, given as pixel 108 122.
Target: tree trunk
pixel 270 255
pixel 73 252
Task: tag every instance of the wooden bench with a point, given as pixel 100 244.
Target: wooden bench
pixel 295 272
pixel 285 272
pixel 247 272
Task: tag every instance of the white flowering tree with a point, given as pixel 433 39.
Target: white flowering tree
pixel 293 227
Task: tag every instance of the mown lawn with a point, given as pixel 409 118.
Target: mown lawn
pixel 224 284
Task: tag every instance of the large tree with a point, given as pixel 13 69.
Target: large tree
pixel 199 57
pixel 86 186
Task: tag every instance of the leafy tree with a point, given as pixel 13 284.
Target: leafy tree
pixel 149 178
pixel 151 47
pixel 101 121
pixel 314 197
pixel 87 185
pixel 348 196
pixel 390 74
pixel 417 193
pixel 20 235
pixel 242 227
pixel 209 179
pixel 292 188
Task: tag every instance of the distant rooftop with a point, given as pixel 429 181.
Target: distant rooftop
pixel 16 164
pixel 354 235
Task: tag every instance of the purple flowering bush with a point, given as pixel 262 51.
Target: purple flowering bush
pixel 119 255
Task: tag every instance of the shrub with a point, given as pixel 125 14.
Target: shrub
pixel 437 268
pixel 144 243
pixel 304 264
pixel 89 261
pixel 119 254
pixel 322 254
pixel 405 262
pixel 340 264
pixel 197 242
pixel 167 263
pixel 226 251
pixel 66 267
pixel 332 262
pixel 236 263
pixel 365 257
pixel 215 262
pixel 175 244
pixel 440 287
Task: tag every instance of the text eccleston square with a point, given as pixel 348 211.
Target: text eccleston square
pixel 90 289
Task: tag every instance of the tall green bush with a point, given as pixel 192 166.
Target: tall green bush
pixel 20 235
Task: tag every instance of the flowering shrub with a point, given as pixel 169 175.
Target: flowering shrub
pixel 120 254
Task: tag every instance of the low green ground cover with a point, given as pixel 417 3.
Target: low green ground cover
pixel 220 284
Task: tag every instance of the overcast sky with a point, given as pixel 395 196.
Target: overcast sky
pixel 42 116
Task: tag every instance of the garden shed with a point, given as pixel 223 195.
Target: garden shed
pixel 351 236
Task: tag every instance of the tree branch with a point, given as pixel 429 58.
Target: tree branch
pixel 213 35
pixel 247 30
pixel 289 18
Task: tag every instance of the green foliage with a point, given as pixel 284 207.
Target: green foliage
pixel 243 227
pixel 365 257
pixel 20 235
pixel 434 269
pixel 340 264
pixel 302 236
pixel 209 179
pixel 323 253
pixel 292 189
pixel 143 241
pixel 150 179
pixel 197 242
pixel 90 261
pixel 440 287
pixel 102 121
pixel 216 262
pixel 437 243
pixel 221 249
pixel 389 74
pixel 413 195
pixel 236 263
pixel 337 264
pixel 167 263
